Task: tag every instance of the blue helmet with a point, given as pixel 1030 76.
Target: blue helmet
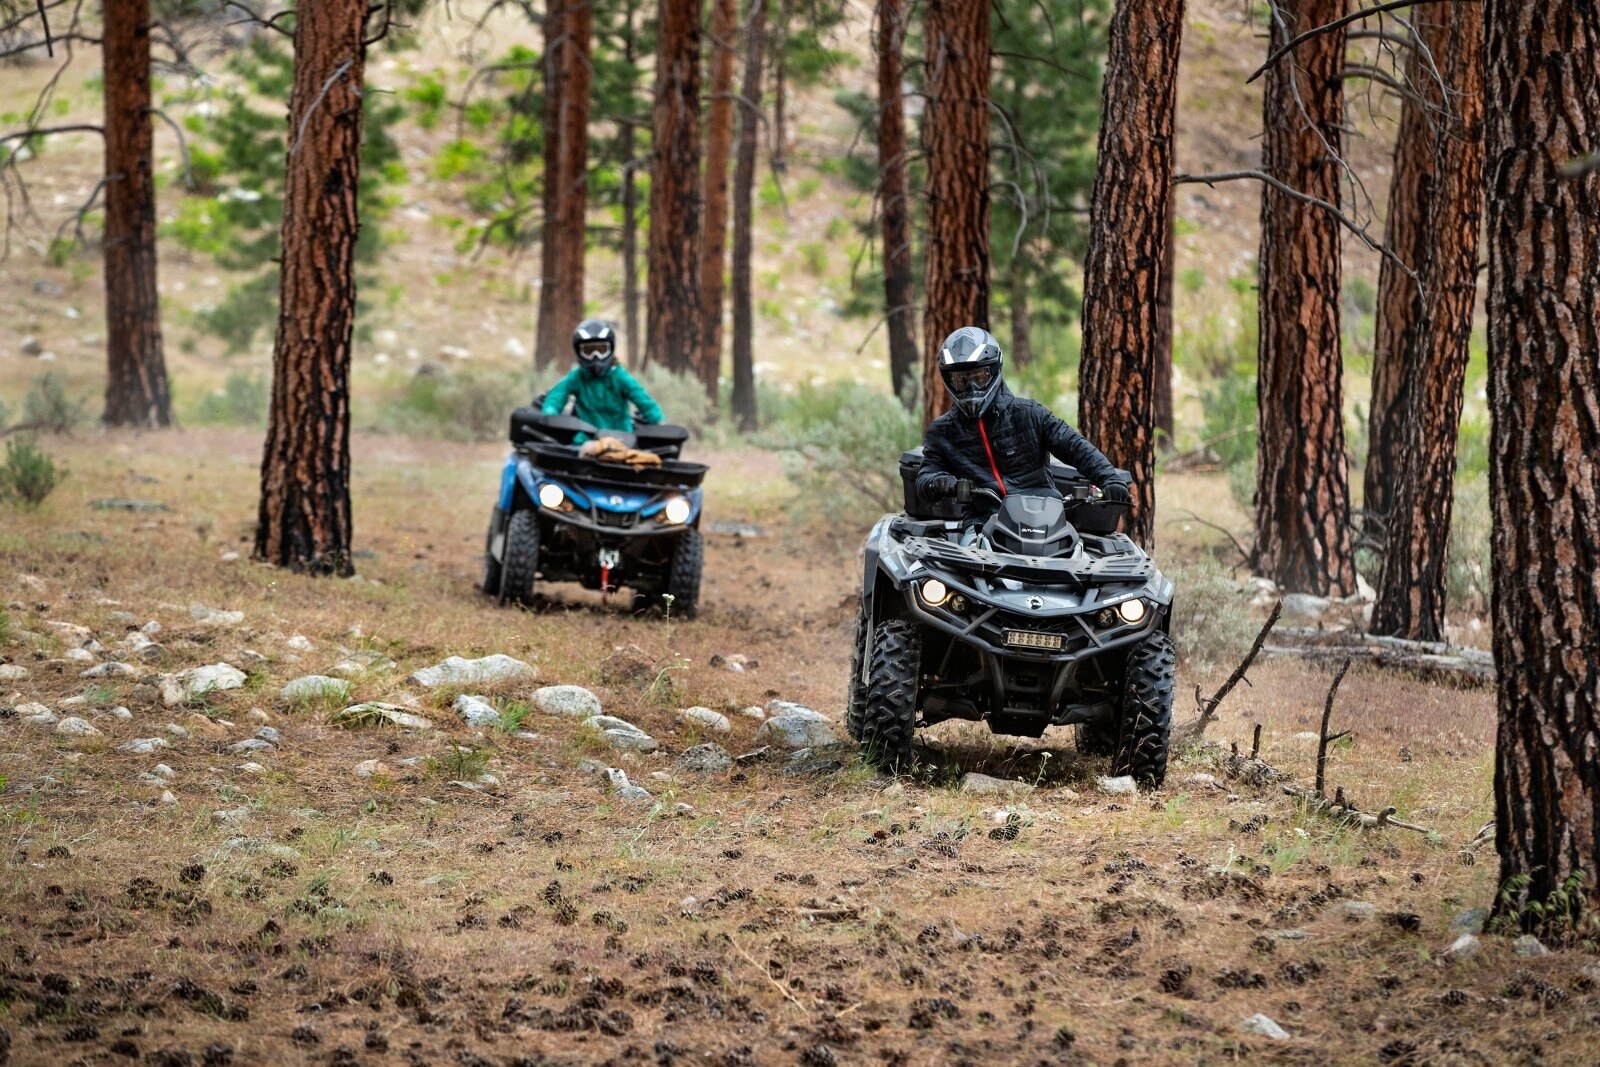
pixel 595 344
pixel 971 364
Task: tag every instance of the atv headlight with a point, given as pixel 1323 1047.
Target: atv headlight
pixel 551 496
pixel 1132 611
pixel 934 592
pixel 677 510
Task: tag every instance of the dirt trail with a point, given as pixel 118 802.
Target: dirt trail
pixel 283 909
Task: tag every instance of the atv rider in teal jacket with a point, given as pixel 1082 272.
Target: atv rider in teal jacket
pixel 604 394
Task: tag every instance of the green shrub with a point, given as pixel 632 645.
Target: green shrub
pixel 47 406
pixel 28 474
pixel 1212 622
pixel 842 446
pixel 1193 279
pixel 467 405
pixel 242 401
pixel 682 398
pixel 1229 407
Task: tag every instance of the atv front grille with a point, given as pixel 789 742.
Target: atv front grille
pixel 615 519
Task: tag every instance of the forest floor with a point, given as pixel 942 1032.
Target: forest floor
pixel 279 908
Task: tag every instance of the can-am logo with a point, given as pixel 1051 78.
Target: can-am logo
pixel 1035 603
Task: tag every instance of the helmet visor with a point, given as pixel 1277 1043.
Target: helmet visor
pixel 969 381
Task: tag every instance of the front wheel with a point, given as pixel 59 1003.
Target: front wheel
pixel 521 557
pixel 683 580
pixel 1144 733
pixel 888 719
pixel 856 700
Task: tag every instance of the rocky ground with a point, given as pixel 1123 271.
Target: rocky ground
pixel 250 817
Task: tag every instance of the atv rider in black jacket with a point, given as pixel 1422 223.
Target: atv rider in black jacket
pixel 995 439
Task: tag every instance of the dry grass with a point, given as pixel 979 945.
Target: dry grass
pixel 544 916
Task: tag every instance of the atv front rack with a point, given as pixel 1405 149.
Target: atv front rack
pixel 1125 565
pixel 671 474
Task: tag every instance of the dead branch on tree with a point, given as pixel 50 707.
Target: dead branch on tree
pixel 1192 731
pixel 1317 31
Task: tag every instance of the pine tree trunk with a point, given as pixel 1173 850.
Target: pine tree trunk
pixel 1021 353
pixel 674 251
pixel 1542 93
pixel 136 371
pixel 1164 415
pixel 630 212
pixel 1406 232
pixel 744 181
pixel 780 89
pixel 1302 475
pixel 894 194
pixel 1411 585
pixel 719 146
pixel 1129 231
pixel 956 132
pixel 568 28
pixel 304 520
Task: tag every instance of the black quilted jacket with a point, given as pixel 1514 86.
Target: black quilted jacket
pixel 1023 434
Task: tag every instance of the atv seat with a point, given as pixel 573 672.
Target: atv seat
pixel 1089 516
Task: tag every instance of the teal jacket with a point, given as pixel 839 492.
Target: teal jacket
pixel 604 401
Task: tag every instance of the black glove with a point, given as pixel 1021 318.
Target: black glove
pixel 1116 492
pixel 941 487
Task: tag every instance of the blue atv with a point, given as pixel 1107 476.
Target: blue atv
pixel 564 517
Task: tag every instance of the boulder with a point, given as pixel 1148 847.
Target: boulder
pixel 10 672
pixel 983 784
pixel 573 701
pixel 1262 1026
pixel 76 727
pixel 312 687
pixel 706 719
pixel 37 714
pixel 704 759
pixel 214 678
pixel 795 731
pixel 1120 786
pixel 776 708
pixel 489 669
pixel 1465 947
pixel 374 713
pixel 622 734
pixel 477 712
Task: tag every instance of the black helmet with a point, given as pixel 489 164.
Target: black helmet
pixel 595 344
pixel 970 362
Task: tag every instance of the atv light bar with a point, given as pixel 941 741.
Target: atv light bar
pixel 1029 639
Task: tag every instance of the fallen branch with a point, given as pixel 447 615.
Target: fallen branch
pixel 1195 729
pixel 779 986
pixel 1429 659
pixel 1323 739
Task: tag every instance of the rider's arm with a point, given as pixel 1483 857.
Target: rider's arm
pixel 1070 446
pixel 649 412
pixel 555 401
pixel 934 480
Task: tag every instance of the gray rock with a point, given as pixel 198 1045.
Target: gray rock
pixel 573 701
pixel 1358 910
pixel 111 670
pixel 1304 604
pixel 1469 921
pixel 215 616
pixel 777 708
pixel 622 734
pixel 706 718
pixel 754 712
pixel 369 768
pixel 315 687
pixel 119 712
pixel 1120 786
pixel 161 770
pixel 1529 947
pixel 78 655
pixel 214 678
pixel 175 730
pixel 795 731
pixel 625 789
pixel 1262 1026
pixel 30 346
pixel 374 713
pixel 269 734
pixel 256 846
pixel 458 671
pixel 36 714
pixel 10 672
pixel 1465 947
pixel 983 784
pixel 300 643
pixel 143 745
pixel 704 759
pixel 76 727
pixel 477 712
pixel 249 745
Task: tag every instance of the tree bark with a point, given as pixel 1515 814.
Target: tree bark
pixel 780 89
pixel 568 29
pixel 1165 417
pixel 630 211
pixel 1129 230
pixel 1021 313
pixel 894 193
pixel 1406 232
pixel 1302 476
pixel 719 146
pixel 744 180
pixel 136 371
pixel 674 251
pixel 304 520
pixel 1411 584
pixel 1542 93
pixel 956 132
